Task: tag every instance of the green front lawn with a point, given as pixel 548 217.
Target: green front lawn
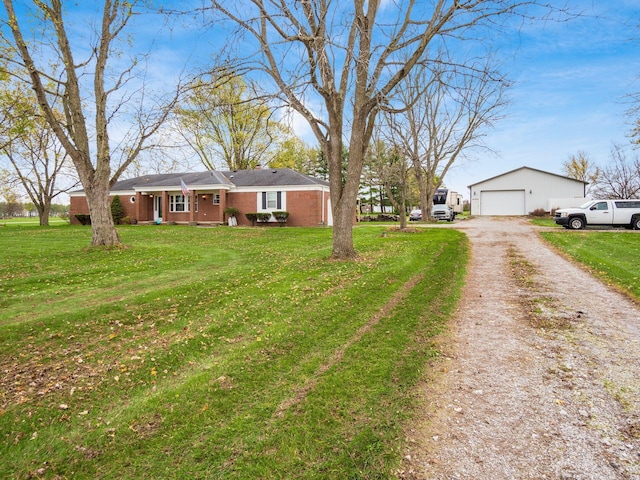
pixel 216 352
pixel 611 256
pixel 544 222
pixel 31 221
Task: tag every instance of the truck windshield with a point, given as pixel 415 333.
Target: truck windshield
pixel 584 206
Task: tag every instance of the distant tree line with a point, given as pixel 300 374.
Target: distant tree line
pixel 19 209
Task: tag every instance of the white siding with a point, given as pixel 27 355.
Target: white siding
pixel 556 203
pixel 538 188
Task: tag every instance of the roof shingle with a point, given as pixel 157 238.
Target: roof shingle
pixel 268 177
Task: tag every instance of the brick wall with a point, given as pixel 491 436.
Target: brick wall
pixel 245 202
pixel 79 205
pixel 305 208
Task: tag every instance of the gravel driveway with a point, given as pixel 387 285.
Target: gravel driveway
pixel 540 375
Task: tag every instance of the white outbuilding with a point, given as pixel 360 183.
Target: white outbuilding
pixel 524 190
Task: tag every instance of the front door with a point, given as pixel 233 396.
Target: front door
pixel 157 208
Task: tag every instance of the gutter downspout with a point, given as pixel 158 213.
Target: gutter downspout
pixel 323 220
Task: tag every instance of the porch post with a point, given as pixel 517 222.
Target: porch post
pixel 138 206
pixel 223 204
pixel 165 206
pixel 192 206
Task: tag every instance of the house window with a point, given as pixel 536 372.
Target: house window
pixel 216 199
pixel 179 203
pixel 271 201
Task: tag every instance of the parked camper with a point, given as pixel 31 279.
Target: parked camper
pixel 446 204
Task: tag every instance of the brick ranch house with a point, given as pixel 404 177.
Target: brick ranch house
pixel 160 198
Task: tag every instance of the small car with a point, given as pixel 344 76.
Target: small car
pixel 415 215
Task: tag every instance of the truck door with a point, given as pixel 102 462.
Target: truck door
pixel 600 213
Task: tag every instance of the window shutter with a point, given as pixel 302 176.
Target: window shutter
pixel 264 200
pixel 279 201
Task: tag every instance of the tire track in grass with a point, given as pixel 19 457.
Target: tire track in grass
pixel 301 393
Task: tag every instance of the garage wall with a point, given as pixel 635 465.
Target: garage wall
pixel 521 191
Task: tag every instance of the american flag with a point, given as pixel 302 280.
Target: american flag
pixel 183 187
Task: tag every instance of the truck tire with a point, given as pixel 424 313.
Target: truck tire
pixel 635 223
pixel 576 223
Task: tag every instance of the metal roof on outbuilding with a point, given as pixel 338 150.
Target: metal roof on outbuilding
pixel 526 168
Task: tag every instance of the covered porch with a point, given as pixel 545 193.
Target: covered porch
pixel 197 207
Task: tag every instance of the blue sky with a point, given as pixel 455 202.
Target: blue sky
pixel 572 82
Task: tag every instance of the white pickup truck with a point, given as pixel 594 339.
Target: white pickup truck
pixel 443 212
pixel 618 213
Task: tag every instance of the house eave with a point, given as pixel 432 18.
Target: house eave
pixel 278 188
pixel 176 188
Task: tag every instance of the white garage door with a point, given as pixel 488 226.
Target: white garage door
pixel 502 202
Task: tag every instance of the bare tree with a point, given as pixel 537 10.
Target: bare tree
pixel 11 205
pixel 39 164
pixel 349 57
pixel 581 167
pixel 60 79
pixel 38 161
pixel 620 178
pixel 633 114
pixel 442 112
pixel 393 171
pixel 166 158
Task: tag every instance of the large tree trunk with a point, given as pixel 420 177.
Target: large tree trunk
pixel 102 226
pixel 44 210
pixel 343 231
pixel 345 202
